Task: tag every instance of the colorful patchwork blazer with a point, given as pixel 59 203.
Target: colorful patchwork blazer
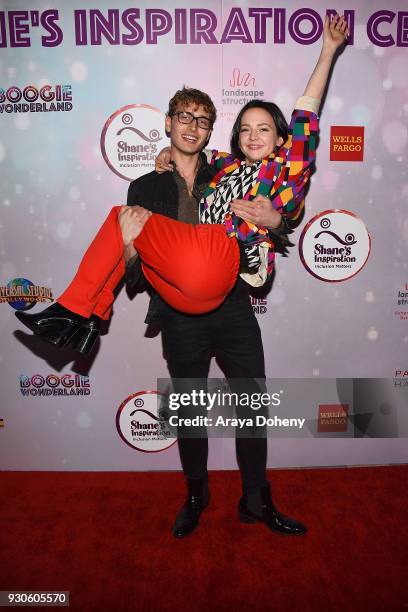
pixel 282 178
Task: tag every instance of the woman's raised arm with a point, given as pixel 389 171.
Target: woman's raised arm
pixel 335 32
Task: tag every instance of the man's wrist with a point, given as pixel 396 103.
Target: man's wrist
pixel 280 225
pixel 129 251
pixel 131 261
pixel 283 228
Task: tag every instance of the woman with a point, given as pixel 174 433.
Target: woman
pixel 267 160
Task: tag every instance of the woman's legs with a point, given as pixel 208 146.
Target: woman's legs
pixel 192 267
pixel 74 319
pixel 101 269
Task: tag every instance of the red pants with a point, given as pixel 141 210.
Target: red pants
pixel 193 267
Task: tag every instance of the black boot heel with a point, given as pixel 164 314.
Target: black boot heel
pixel 62 327
pixel 198 498
pixel 257 507
pixel 244 518
pixel 84 340
pixel 57 334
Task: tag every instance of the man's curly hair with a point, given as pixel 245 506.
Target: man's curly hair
pixel 188 95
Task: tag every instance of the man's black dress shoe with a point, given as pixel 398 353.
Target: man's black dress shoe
pixel 259 508
pixel 61 327
pixel 198 498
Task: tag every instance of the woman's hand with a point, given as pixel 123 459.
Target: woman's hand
pixel 131 221
pixel 260 212
pixel 162 162
pixel 335 32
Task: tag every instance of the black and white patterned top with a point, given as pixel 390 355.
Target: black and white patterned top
pixel 232 187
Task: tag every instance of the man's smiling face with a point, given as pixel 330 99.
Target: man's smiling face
pixel 188 138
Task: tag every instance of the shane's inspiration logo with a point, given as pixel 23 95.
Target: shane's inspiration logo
pixel 142 422
pixel 129 140
pixel 334 245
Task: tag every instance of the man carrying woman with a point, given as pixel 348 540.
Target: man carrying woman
pixel 250 195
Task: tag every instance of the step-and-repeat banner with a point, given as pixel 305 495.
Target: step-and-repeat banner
pixel 83 96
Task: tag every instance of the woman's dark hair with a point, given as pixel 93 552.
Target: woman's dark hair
pixel 271 108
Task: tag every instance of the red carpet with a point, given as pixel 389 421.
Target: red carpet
pixel 106 538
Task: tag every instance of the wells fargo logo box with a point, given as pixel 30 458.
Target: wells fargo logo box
pixel 346 143
pixel 332 417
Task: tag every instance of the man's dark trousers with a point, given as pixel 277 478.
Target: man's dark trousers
pixel 231 334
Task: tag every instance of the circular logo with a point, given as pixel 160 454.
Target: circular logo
pixel 21 286
pixel 130 140
pixel 334 245
pixel 142 422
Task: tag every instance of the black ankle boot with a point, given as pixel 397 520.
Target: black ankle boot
pixel 61 327
pixel 258 507
pixel 198 498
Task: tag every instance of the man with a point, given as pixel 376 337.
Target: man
pixel 231 333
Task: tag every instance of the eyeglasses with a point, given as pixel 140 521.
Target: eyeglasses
pixel 185 117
